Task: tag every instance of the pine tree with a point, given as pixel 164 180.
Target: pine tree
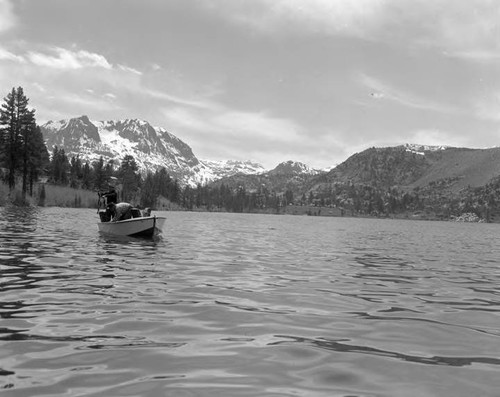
pixel 130 178
pixel 87 176
pixel 41 199
pixel 59 166
pixel 38 158
pixel 27 132
pixel 99 174
pixel 75 171
pixel 22 146
pixel 10 136
pixel 149 191
pixel 174 192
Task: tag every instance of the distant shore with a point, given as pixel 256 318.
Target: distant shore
pixel 67 197
pixel 335 212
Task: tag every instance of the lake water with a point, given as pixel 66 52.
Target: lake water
pixel 248 305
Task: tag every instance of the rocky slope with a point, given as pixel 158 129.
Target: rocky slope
pixel 414 166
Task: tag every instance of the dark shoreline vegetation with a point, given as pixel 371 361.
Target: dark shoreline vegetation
pixel 68 197
pixel 29 175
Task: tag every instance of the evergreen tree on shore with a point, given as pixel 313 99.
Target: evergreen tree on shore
pixel 10 136
pixel 36 157
pixel 59 167
pixel 130 178
pixel 22 150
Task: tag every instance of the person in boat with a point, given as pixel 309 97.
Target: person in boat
pixel 111 196
pixel 119 211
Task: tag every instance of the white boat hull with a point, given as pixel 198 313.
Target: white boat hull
pixel 143 226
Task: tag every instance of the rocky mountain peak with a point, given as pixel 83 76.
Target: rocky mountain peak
pixel 292 168
pixel 69 133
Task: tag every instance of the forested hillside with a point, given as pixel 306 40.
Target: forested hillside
pixel 381 167
pixel 441 183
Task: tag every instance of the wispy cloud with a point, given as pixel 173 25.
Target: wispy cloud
pixel 226 122
pixel 314 16
pixel 385 91
pixel 469 29
pixel 10 56
pixel 222 132
pixel 432 137
pixel 476 55
pixel 61 58
pixel 129 69
pixel 466 29
pixel 487 108
pixel 53 78
pixel 176 99
pixel 110 96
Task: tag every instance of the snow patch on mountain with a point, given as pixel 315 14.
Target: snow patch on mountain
pixel 421 149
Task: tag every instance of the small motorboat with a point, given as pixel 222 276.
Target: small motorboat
pixel 139 225
pixel 145 226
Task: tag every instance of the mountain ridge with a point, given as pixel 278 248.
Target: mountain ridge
pixel 397 166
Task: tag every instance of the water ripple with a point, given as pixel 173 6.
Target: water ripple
pixel 338 346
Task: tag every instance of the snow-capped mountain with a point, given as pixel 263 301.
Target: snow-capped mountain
pixel 151 147
pixel 293 167
pixel 222 168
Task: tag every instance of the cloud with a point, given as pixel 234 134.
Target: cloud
pixel 477 55
pixel 233 124
pixel 66 83
pixel 487 107
pixel 39 87
pixel 352 17
pixel 382 90
pixel 176 99
pixel 436 137
pixel 65 59
pixel 221 132
pixel 129 69
pixel 10 56
pixel 466 29
pixel 469 29
pixel 7 17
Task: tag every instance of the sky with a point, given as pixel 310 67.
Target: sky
pixel 264 80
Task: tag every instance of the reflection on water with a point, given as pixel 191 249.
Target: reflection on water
pixel 247 305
